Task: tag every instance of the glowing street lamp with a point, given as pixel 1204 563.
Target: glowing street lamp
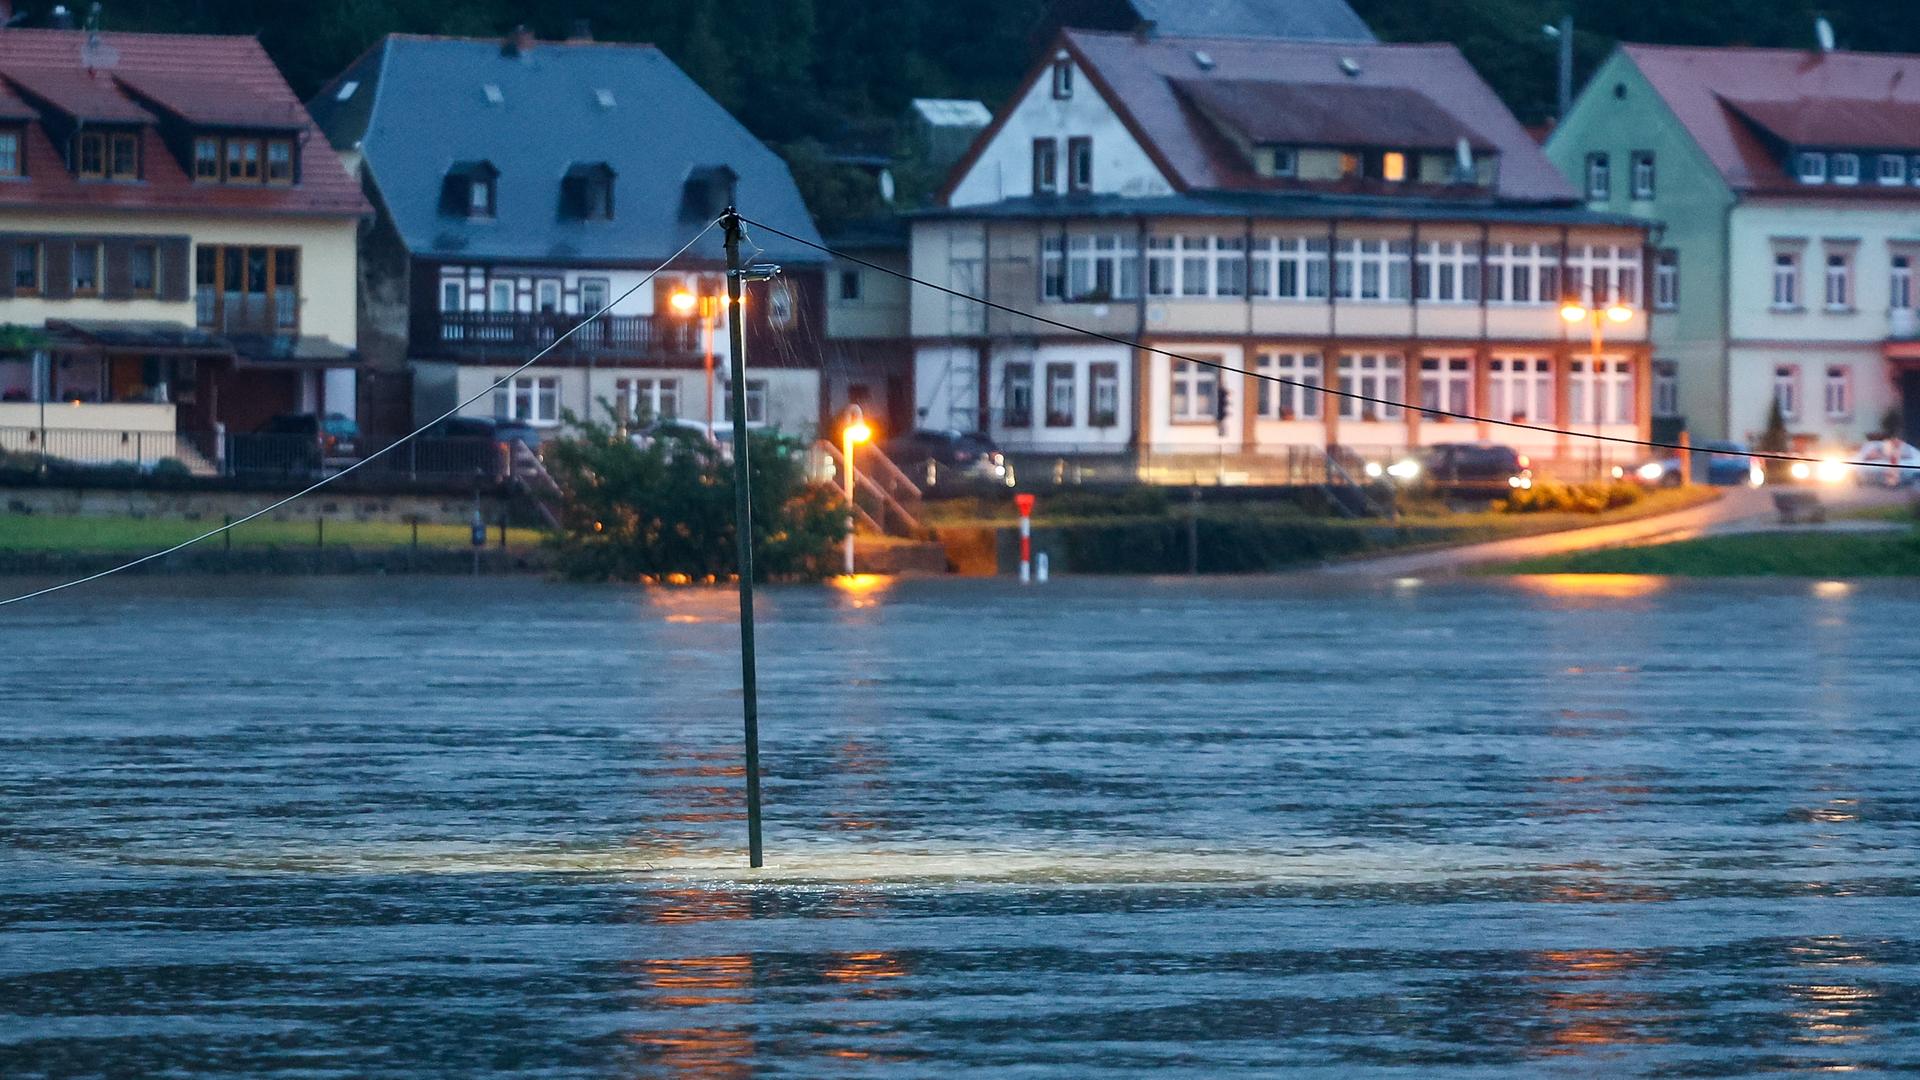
pixel 1575 312
pixel 856 431
pixel 686 303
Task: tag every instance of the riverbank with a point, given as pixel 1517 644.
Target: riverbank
pixel 1808 553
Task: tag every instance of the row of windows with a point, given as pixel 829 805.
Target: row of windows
pixel 500 294
pixel 1891 170
pixel 1046 165
pixel 535 399
pixel 1837 282
pixel 1520 389
pixel 235 159
pixel 85 269
pixel 1640 175
pixel 1091 268
pixel 1837 391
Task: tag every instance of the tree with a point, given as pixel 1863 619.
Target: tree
pixel 1775 440
pixel 630 511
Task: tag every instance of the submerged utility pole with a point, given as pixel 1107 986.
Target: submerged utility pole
pixel 737 276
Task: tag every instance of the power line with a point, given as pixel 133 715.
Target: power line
pixel 1218 365
pixel 376 455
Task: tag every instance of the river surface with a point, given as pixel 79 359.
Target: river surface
pixel 450 828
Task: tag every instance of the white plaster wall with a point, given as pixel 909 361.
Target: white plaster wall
pixel 946 387
pixel 1080 436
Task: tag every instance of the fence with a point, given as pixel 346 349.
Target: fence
pixel 1274 466
pixel 260 458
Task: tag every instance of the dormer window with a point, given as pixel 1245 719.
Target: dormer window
pixel 1846 168
pixel 586 193
pixel 1062 76
pixel 1893 169
pixel 243 161
pixel 1282 161
pixel 279 161
pixel 206 158
pixel 1393 166
pixel 1812 168
pixel 12 162
pixel 101 155
pixel 470 190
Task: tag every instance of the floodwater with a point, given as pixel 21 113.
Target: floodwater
pixel 453 828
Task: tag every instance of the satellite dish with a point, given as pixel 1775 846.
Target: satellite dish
pixel 886 185
pixel 1823 33
pixel 1463 159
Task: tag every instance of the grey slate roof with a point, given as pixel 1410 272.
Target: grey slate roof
pixel 422 107
pixel 1300 20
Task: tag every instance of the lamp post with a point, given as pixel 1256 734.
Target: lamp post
pixel 855 432
pixel 705 307
pixel 1575 312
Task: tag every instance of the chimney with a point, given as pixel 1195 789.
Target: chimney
pixel 62 18
pixel 582 31
pixel 519 42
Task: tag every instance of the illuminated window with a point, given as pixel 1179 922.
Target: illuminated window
pixel 1394 166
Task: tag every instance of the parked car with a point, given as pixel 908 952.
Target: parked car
pixel 1476 467
pixel 480 427
pixel 936 455
pixel 296 444
pixel 1894 452
pixel 1715 461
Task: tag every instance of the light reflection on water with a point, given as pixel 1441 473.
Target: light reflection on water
pixel 430 828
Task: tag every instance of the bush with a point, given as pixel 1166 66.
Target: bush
pixel 628 512
pixel 1551 496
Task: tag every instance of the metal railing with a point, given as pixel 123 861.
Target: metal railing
pixel 262 458
pixel 624 335
pixel 1278 466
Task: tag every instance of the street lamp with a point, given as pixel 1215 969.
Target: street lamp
pixel 856 431
pixel 686 302
pixel 1575 312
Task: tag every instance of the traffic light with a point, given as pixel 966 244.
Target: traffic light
pixel 1220 402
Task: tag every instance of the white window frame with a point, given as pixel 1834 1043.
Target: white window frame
pixel 1520 388
pixel 1599 176
pixel 1286 161
pixel 453 294
pixel 1666 279
pixel 1838 278
pixel 1373 270
pixel 1839 392
pixel 1288 401
pixel 1449 272
pixel 1893 169
pixel 1103 394
pixel 1786 390
pixel 502 287
pixel 756 402
pixel 1374 375
pixel 1016 389
pixel 1277 270
pixel 1845 168
pixel 1666 389
pixel 1900 282
pixel 1446 383
pixel 1786 281
pixel 1811 167
pixel 1641 177
pixel 534 399
pixel 1063 394
pixel 1192 391
pixel 647 397
pixel 1618 266
pixel 1090 268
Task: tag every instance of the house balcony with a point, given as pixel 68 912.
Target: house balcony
pixel 496 336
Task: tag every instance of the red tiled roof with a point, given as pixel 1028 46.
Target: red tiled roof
pixel 1280 113
pixel 1832 100
pixel 1139 77
pixel 11 107
pixel 217 81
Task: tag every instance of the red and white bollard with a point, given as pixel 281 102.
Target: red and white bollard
pixel 1024 503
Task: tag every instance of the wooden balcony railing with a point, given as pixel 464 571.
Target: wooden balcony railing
pixel 467 332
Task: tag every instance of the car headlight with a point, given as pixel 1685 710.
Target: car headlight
pixel 1756 475
pixel 1619 473
pixel 1831 471
pixel 1651 471
pixel 1404 469
pixel 1375 470
pixel 1800 470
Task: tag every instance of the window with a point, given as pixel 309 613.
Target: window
pixel 850 285
pixel 1053 268
pixel 1893 169
pixel 1446 383
pixel 92 159
pixel 1275 267
pixel 1642 178
pixel 279 162
pixel 1195 390
pixel 1062 403
pixel 1196 265
pixel 86 269
pixel 1839 392
pixel 1900 283
pixel 1812 168
pixel 452 295
pixel 1046 166
pixel 1599 177
pixel 642 400
pixel 480 192
pixel 532 398
pixel 500 295
pixel 1449 272
pixel 9 153
pixel 1103 411
pixel 1520 389
pixel 1372 269
pixel 1599 274
pixel 1229 266
pixel 593 295
pixel 1666 389
pixel 546 296
pixel 1839 281
pixel 26 268
pixel 1079 164
pixel 143 269
pixel 1846 168
pixel 1286 161
pixel 1099 268
pixel 1523 273
pixel 1393 166
pixel 1786 390
pixel 1666 280
pixel 1062 77
pixel 206 158
pixel 756 403
pixel 124 162
pixel 1786 280
pixel 286 292
pixel 1371 375
pixel 1017 388
pixel 1913 169
pixel 243 161
pixel 594 191
pixel 1212 266
pixel 1290 398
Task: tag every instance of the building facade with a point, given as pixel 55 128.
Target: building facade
pixel 1785 185
pixel 178 260
pixel 521 186
pixel 1362 217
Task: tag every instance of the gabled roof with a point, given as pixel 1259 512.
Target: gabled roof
pixel 1732 101
pixel 1151 82
pixel 1262 111
pixel 207 79
pixel 1296 20
pixel 422 108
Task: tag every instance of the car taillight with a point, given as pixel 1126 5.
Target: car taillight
pixel 1526 462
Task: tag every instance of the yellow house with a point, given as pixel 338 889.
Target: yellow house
pixel 177 248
